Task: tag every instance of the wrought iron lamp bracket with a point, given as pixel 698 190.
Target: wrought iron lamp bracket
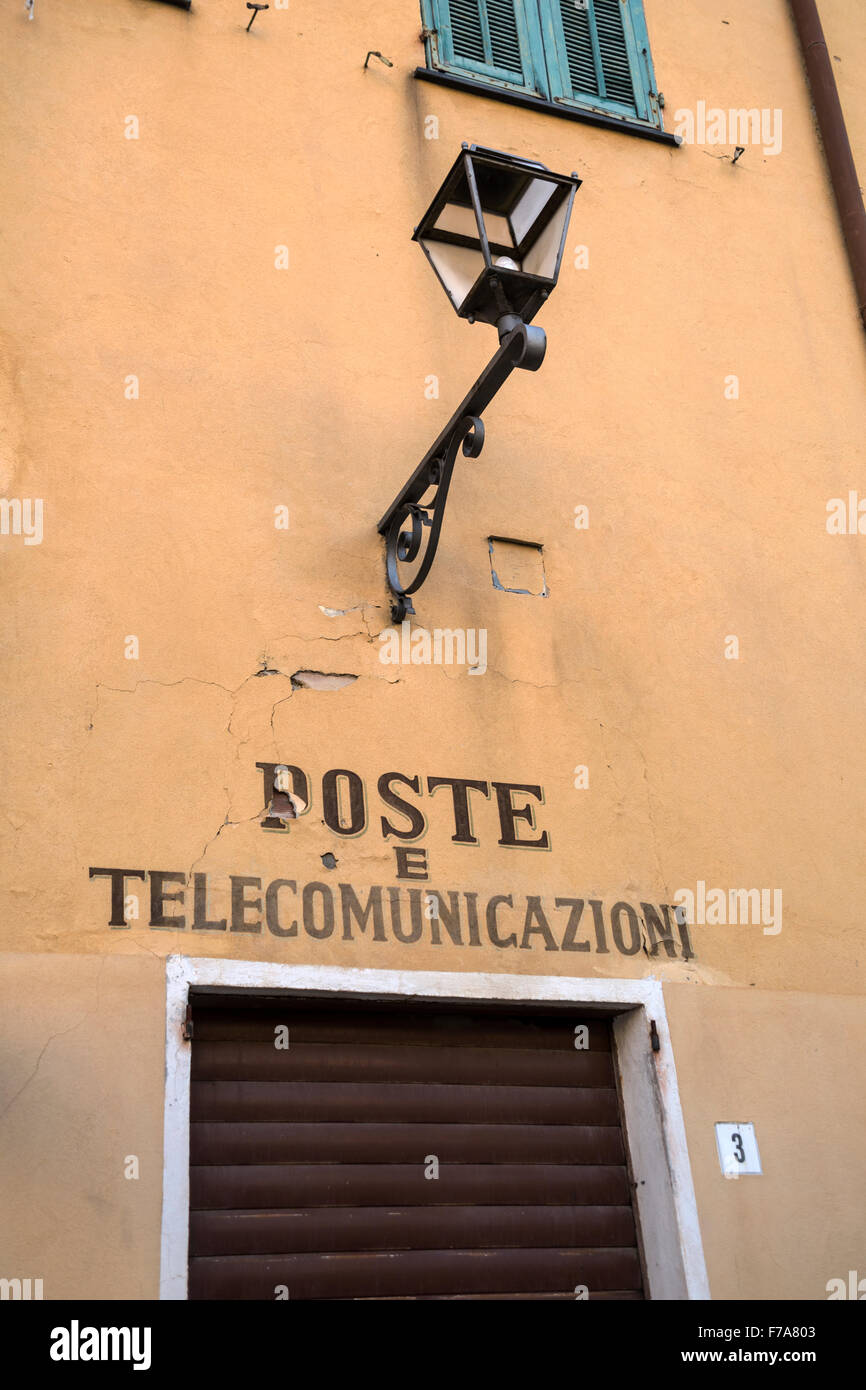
pixel 405 521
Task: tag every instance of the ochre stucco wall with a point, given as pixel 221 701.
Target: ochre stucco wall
pixel 82 1042
pixel 780 1061
pixel 306 388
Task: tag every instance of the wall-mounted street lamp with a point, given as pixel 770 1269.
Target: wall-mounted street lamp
pixel 494 234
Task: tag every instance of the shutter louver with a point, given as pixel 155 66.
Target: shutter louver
pixel 578 46
pixel 614 52
pixel 597 50
pixel 504 40
pixel 485 37
pixel 467 34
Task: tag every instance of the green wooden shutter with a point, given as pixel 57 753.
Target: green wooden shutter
pixel 485 38
pixel 580 50
pixel 602 59
pixel 616 71
pixel 583 53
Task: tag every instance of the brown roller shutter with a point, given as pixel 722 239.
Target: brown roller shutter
pixel 308 1163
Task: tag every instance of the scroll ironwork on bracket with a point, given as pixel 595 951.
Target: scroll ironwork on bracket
pixel 413 522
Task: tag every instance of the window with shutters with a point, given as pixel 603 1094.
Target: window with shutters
pixel 580 55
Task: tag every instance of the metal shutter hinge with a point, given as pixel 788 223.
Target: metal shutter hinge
pixel 654 1036
pixel 187 1024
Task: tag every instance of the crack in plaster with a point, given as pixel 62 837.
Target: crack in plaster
pixel 649 800
pixel 131 690
pixel 518 680
pixel 298 683
pixel 61 1034
pixel 246 820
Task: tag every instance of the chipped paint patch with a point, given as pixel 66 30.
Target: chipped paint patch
pixel 517 567
pixel 320 680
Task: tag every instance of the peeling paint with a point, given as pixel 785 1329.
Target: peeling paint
pixel 320 680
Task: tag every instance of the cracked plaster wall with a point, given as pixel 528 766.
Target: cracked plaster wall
pixel 83 1063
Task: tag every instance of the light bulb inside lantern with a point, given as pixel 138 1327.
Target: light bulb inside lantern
pixel 506 263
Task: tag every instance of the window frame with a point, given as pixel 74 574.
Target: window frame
pixel 547 80
pixel 653 1125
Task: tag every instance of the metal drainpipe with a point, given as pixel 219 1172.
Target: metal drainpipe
pixel 834 134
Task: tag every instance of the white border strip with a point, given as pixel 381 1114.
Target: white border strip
pixel 653 1116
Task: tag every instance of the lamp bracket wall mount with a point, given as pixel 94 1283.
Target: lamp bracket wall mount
pixel 412 525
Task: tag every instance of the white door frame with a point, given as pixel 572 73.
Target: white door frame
pixel 652 1116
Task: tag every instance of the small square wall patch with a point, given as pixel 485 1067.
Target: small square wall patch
pixel 517 567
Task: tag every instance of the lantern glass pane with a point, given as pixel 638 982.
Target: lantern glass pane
pixel 458 267
pixel 530 204
pixel 541 257
pixel 454 218
pixel 498 230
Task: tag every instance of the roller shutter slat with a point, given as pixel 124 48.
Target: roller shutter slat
pixel 339 1101
pixel 366 1143
pixel 423 1030
pixel 623 1297
pixel 412 1272
pixel 328 1229
pixel 370 1184
pixel 262 1061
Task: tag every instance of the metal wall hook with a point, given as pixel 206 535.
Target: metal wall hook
pixel 255 9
